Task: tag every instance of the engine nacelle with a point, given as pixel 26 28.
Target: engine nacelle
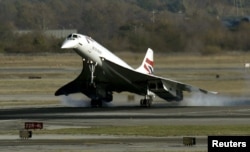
pixel 179 95
pixel 166 91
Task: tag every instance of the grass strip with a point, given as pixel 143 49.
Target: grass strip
pixel 157 131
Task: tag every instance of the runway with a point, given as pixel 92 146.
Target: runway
pixel 116 144
pixel 158 111
pixel 160 114
pixel 103 145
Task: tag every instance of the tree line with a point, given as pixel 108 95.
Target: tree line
pixel 126 25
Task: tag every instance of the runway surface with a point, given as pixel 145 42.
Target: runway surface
pixel 160 114
pixel 116 144
pixel 159 111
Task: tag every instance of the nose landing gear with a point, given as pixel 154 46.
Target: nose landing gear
pixel 95 102
pixel 92 66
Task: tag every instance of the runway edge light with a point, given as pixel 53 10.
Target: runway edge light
pixel 25 134
pixel 189 141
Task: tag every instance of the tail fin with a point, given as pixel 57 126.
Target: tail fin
pixel 147 65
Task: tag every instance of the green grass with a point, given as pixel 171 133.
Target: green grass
pixel 31 86
pixel 27 102
pixel 157 131
pixel 150 130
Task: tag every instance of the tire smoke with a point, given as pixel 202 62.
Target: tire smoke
pixel 75 100
pixel 201 99
pixel 79 100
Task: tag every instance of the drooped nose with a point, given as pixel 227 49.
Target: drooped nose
pixel 69 44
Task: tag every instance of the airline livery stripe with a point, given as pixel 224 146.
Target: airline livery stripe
pixel 149 62
pixel 148 68
pixel 145 66
pixel 151 70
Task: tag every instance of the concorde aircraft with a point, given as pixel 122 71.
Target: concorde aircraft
pixel 104 73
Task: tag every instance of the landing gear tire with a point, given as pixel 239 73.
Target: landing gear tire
pixel 96 103
pixel 145 102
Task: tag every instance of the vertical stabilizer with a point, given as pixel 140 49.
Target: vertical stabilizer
pixel 147 65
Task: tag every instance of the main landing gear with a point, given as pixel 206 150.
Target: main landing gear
pixel 95 103
pixel 147 101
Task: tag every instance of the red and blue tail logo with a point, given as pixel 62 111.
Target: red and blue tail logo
pixel 148 66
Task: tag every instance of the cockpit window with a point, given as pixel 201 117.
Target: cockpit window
pixel 73 36
pixel 69 36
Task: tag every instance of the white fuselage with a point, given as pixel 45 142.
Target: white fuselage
pixel 89 49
